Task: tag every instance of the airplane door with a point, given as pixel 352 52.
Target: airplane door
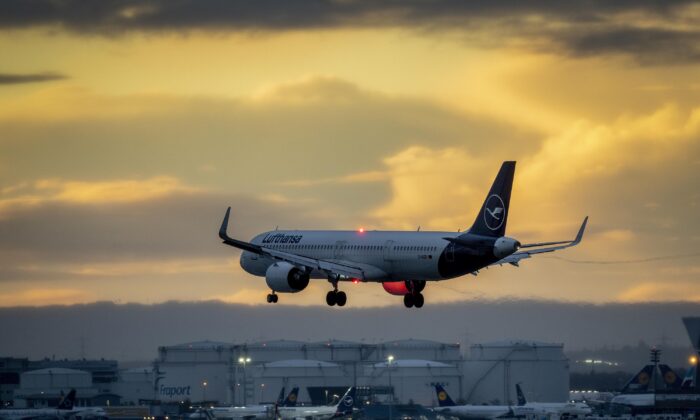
pixel 450 252
pixel 389 251
pixel 338 249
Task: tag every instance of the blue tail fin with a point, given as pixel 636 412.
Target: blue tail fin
pixel 689 379
pixel 346 403
pixel 443 397
pixel 521 395
pixel 68 401
pixel 640 381
pixel 671 379
pixel 491 220
pixel 280 397
pixel 291 400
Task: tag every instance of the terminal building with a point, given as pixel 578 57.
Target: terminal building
pixel 405 370
pixel 402 371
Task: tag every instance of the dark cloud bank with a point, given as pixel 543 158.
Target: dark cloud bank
pixel 15 79
pixel 579 27
pixel 133 331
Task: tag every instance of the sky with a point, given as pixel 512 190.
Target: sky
pixel 127 128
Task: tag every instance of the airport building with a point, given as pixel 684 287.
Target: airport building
pixel 493 369
pixel 403 371
pixel 254 373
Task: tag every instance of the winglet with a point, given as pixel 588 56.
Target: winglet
pixel 579 235
pixel 224 225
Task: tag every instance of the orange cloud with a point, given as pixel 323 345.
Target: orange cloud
pixel 90 192
pixel 649 292
pixel 45 296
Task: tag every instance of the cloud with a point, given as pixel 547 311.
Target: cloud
pixel 87 193
pixel 648 30
pixel 14 79
pixel 45 296
pixel 658 291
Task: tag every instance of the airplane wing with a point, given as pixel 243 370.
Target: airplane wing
pixel 330 267
pixel 542 247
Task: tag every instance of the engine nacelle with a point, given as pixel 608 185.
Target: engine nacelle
pixel 505 246
pixel 283 277
pixel 396 288
pixel 401 288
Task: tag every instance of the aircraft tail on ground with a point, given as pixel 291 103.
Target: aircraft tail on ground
pixel 521 395
pixel 491 220
pixel 346 403
pixel 640 381
pixel 671 379
pixel 68 401
pixel 443 397
pixel 291 400
pixel 689 379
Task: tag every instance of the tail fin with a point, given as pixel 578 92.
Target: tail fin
pixel 491 220
pixel 291 400
pixel 521 395
pixel 689 379
pixel 68 401
pixel 280 397
pixel 671 379
pixel 346 403
pixel 640 381
pixel 443 397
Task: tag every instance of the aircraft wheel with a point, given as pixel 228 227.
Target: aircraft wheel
pixel 418 300
pixel 341 298
pixel 270 298
pixel 408 300
pixel 330 298
pixel 275 298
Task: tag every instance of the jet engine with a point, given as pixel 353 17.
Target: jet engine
pixel 402 288
pixel 285 278
pixel 505 246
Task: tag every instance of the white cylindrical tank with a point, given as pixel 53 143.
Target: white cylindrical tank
pixel 493 369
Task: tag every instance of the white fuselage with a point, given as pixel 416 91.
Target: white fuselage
pixel 635 400
pixel 248 412
pixel 567 408
pixel 475 411
pixel 312 412
pixel 30 413
pixel 385 255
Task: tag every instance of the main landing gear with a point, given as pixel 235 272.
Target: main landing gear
pixel 272 298
pixel 414 297
pixel 335 297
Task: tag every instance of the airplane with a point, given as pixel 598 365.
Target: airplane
pixel 447 406
pixel 635 392
pixel 671 378
pixel 65 409
pixel 249 412
pixel 567 409
pixel 689 379
pixel 343 408
pixel 403 262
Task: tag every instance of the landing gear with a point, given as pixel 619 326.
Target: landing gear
pixel 414 297
pixel 272 298
pixel 335 297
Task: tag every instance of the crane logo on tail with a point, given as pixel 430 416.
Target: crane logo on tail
pixel 494 212
pixel 442 396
